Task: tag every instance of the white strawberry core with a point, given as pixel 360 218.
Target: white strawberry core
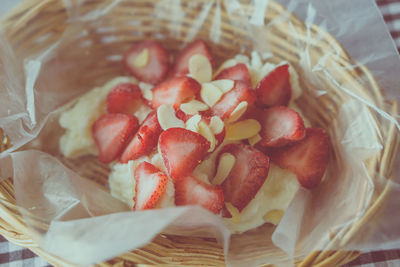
pixel 147 186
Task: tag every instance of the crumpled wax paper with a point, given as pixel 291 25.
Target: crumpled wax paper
pixel 81 222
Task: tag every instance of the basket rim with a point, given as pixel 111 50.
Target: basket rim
pixel 10 231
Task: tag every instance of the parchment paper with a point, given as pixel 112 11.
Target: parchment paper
pixel 87 225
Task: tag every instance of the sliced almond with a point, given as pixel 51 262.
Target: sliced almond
pixel 206 132
pixel 273 216
pixel 216 125
pixel 210 94
pixel 254 139
pixel 238 112
pixel 200 68
pixel 192 124
pixel 242 130
pixel 225 85
pixel 256 62
pixel 145 86
pixel 142 59
pixel 146 90
pixel 226 162
pixel 167 119
pixel 236 217
pixel 193 107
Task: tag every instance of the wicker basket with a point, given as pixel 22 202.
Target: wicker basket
pixel 37 18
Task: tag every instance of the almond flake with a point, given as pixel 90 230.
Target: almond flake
pixel 242 130
pixel 145 86
pixel 225 85
pixel 273 216
pixel 254 139
pixel 210 94
pixel 146 90
pixel 167 119
pixel 256 60
pixel 200 68
pixel 193 107
pixel 238 112
pixel 236 217
pixel 226 162
pixel 206 132
pixel 216 124
pixel 147 94
pixel 142 59
pixel 192 124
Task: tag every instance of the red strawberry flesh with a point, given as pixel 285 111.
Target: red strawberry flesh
pixel 124 98
pixel 275 89
pixel 150 186
pixel 175 91
pixel 156 69
pixel 239 72
pixel 247 175
pixel 307 158
pixel 111 132
pixel 182 150
pixel 190 191
pixel 144 141
pixel 280 126
pixel 228 102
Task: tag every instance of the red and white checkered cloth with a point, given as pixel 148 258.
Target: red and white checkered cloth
pixel 14 256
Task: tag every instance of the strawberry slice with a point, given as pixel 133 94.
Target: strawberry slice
pixel 239 72
pixel 145 139
pixel 111 132
pixel 150 186
pixel 151 65
pixel 307 158
pixel 280 126
pixel 175 91
pixel 228 102
pixel 181 65
pixel 190 191
pixel 124 98
pixel 274 89
pixel 182 150
pixel 247 175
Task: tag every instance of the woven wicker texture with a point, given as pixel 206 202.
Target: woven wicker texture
pixel 38 18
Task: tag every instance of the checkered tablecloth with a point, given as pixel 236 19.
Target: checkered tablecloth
pixel 14 256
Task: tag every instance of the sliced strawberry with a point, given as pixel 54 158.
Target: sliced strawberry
pixel 124 98
pixel 145 139
pixel 239 72
pixel 181 64
pixel 150 186
pixel 182 150
pixel 190 191
pixel 281 125
pixel 247 175
pixel 307 158
pixel 228 102
pixel 175 91
pixel 111 132
pixel 155 68
pixel 275 89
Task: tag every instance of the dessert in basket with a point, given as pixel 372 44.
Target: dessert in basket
pixel 229 139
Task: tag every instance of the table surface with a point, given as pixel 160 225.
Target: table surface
pixel 14 256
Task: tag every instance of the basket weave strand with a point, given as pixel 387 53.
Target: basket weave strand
pixel 46 20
